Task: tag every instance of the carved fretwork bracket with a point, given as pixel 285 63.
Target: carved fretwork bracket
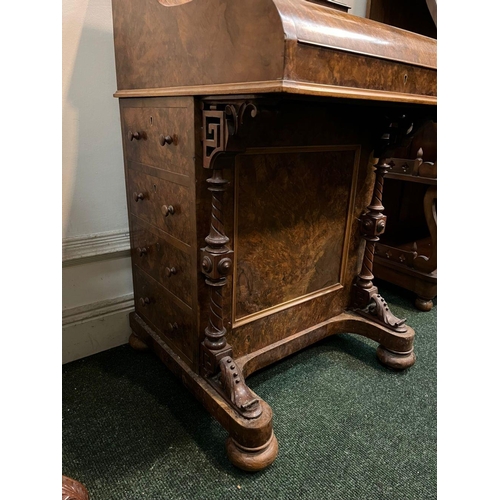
pixel 234 388
pixel 222 124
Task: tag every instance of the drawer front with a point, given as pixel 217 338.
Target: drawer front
pixel 154 303
pixel 163 203
pixel 164 262
pixel 159 137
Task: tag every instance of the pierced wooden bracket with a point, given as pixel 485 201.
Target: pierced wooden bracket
pixel 222 123
pixel 233 385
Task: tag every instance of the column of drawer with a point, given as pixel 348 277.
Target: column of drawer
pixel 159 159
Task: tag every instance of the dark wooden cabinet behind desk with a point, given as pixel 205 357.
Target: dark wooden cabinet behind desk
pixel 254 205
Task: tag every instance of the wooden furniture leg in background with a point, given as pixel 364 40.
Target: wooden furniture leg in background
pixel 428 265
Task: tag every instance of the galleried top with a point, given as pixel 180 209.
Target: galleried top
pixel 315 47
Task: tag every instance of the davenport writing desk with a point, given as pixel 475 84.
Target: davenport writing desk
pixel 251 129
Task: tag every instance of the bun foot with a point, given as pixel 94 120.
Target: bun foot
pixel 395 360
pixel 423 304
pixel 136 343
pixel 252 459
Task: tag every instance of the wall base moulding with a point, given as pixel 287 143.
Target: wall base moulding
pixel 95 327
pixel 91 247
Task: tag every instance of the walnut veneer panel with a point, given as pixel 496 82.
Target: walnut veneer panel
pixel 287 246
pixel 343 69
pixel 165 46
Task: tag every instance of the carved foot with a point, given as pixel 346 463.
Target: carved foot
pixel 394 360
pixel 136 343
pixel 378 310
pixel 423 304
pixel 252 459
pixel 234 387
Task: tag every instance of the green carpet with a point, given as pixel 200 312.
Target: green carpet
pixel 347 427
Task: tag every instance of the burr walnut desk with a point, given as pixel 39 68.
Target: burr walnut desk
pixel 251 129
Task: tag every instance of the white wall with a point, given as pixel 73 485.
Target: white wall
pixel 97 281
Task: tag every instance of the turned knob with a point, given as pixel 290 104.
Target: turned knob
pixel 173 326
pixel 133 135
pixel 170 271
pixel 138 196
pixel 166 139
pixel 167 210
pixel 142 251
pixel 145 301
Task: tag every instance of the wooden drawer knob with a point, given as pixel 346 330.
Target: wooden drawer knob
pixel 170 271
pixel 144 301
pixel 166 139
pixel 138 196
pixel 142 251
pixel 134 135
pixel 167 210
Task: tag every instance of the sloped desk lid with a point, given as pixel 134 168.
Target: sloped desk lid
pixel 209 47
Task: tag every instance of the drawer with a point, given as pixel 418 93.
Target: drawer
pixel 158 306
pixel 163 203
pixel 165 263
pixel 159 137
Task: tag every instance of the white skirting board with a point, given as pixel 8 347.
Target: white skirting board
pixel 95 327
pixel 92 247
pixel 97 294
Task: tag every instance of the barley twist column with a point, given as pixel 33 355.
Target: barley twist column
pixel 216 264
pixel 373 224
pixel 366 299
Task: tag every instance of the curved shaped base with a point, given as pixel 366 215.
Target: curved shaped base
pixel 137 343
pixel 252 459
pixel 423 304
pixel 395 360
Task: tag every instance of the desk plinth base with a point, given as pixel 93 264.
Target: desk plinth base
pixel 252 445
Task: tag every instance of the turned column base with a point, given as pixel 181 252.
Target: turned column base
pixel 394 360
pixel 252 459
pixel 137 343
